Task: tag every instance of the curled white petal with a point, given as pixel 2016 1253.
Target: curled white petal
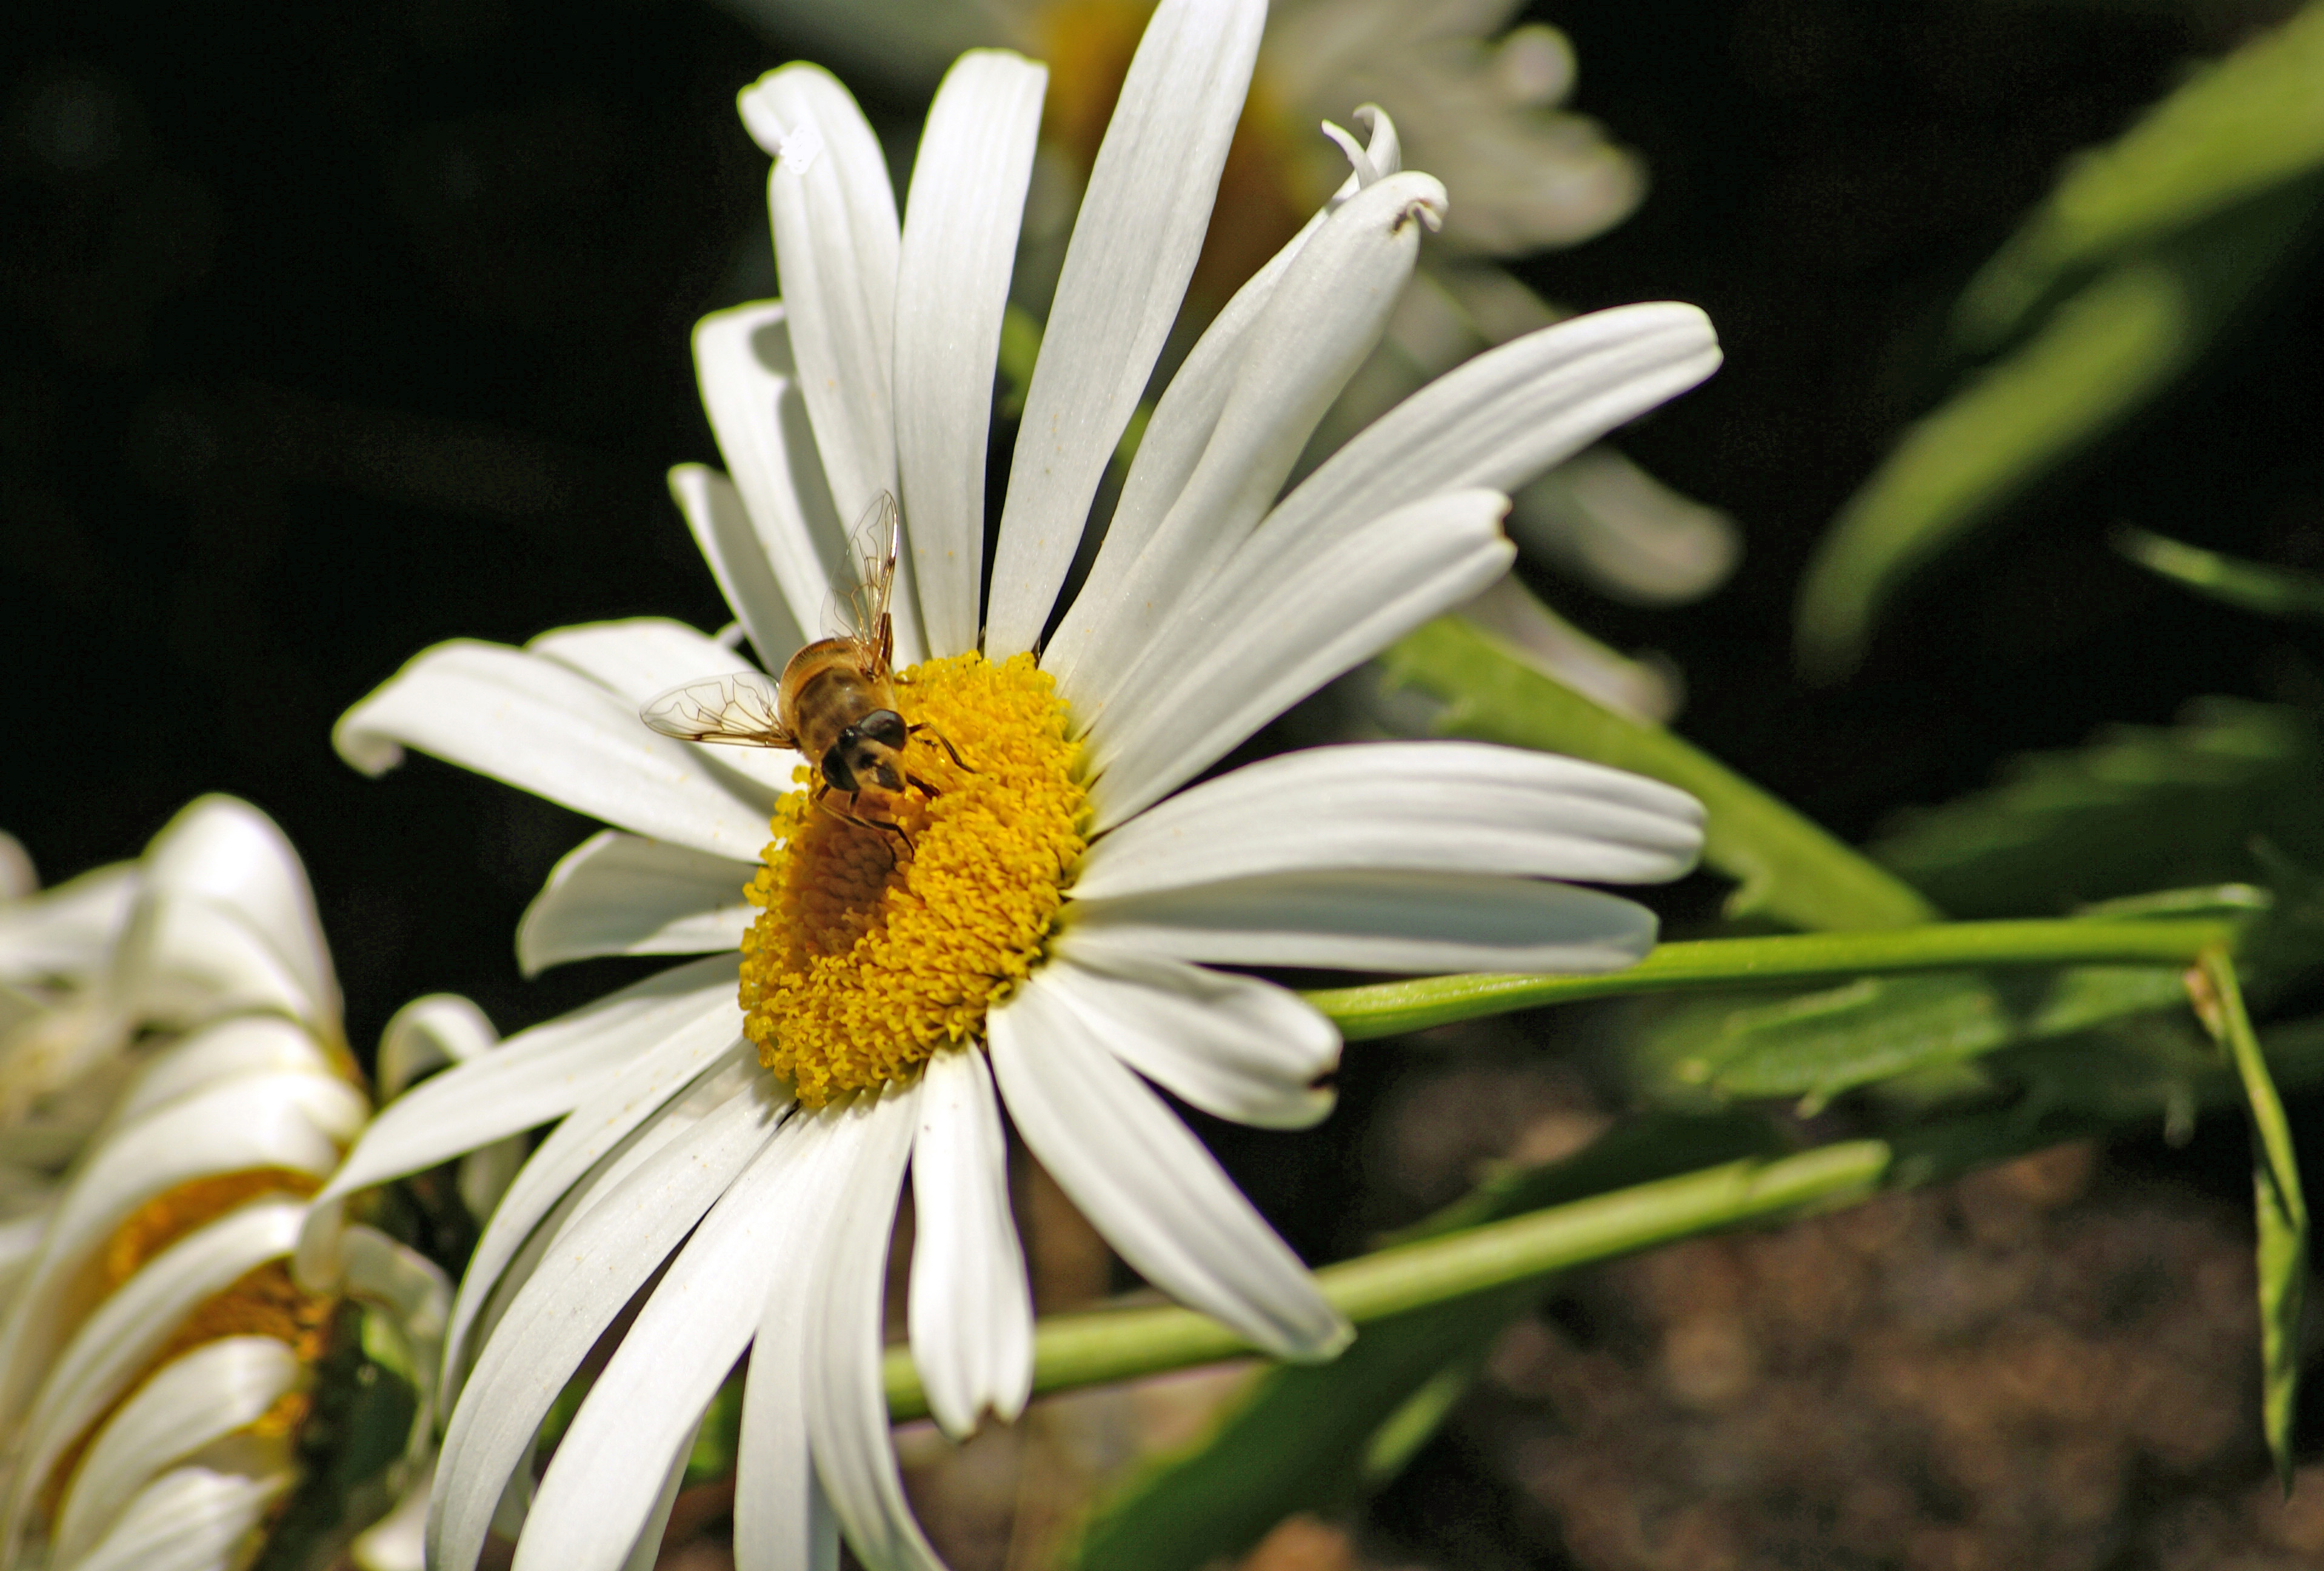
pixel 616 894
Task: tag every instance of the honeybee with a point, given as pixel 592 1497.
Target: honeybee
pixel 836 700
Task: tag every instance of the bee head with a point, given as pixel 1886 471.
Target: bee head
pixel 867 753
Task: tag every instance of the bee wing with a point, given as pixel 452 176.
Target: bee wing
pixel 875 542
pixel 739 709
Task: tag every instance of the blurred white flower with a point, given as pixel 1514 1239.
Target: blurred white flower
pixel 156 1360
pixel 1034 930
pixel 213 921
pixel 1475 100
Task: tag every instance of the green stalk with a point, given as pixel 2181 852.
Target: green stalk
pixel 1385 1008
pixel 1104 1345
pixel 1094 1348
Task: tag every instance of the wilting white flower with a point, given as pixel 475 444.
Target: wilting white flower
pixel 1034 923
pixel 156 1360
pixel 212 922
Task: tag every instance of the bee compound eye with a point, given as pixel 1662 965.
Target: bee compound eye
pixel 835 766
pixel 883 726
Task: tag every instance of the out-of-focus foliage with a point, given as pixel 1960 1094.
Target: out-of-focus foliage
pixel 1790 871
pixel 1310 1438
pixel 2278 591
pixel 2243 126
pixel 2139 807
pixel 2145 253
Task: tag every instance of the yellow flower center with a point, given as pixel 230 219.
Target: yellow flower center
pixel 868 958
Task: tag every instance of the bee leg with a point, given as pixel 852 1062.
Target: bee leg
pixel 943 741
pixel 849 815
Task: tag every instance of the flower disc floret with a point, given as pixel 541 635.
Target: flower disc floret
pixel 867 958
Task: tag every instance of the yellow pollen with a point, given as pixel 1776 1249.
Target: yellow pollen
pixel 866 959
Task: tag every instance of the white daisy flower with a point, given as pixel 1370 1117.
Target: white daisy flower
pixel 1026 920
pixel 157 1360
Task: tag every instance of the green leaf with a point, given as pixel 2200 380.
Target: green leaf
pixel 1301 1438
pixel 2138 807
pixel 2278 591
pixel 2102 355
pixel 1789 870
pixel 2282 1209
pixel 355 1435
pixel 2241 127
pixel 1817 1045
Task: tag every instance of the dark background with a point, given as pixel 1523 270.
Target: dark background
pixel 331 332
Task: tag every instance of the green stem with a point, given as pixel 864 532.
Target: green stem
pixel 1102 1346
pixel 1091 1349
pixel 1385 1009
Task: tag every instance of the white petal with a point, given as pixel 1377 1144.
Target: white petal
pixel 568 1304
pixel 291 1122
pixel 539 1074
pixel 1450 806
pixel 66 931
pixel 184 959
pixel 427 1034
pixel 646 1552
pixel 676 1082
pixel 209 1393
pixel 1247 649
pixel 846 1402
pixel 1323 319
pixel 960 242
pixel 542 727
pixel 1233 1046
pixel 194 1519
pixel 1624 531
pixel 1415 922
pixel 722 528
pixel 783 1522
pixel 1126 268
pixel 223 851
pixel 254 1044
pixel 972 1304
pixel 643 657
pixel 645 1407
pixel 121 1336
pixel 1497 421
pixel 639 657
pixel 1182 422
pixel 1162 1201
pixel 617 895
pixel 749 375
pixel 837 246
